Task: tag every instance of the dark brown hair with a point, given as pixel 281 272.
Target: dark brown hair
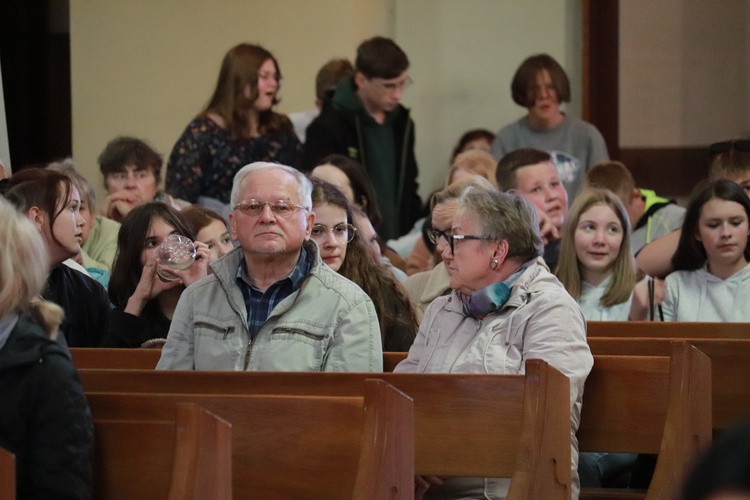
pixel 330 74
pixel 239 69
pixel 364 193
pixel 198 217
pixel 380 57
pixel 524 81
pixel 471 136
pixel 508 164
pixel 123 151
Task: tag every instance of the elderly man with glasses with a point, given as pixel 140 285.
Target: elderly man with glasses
pixel 271 304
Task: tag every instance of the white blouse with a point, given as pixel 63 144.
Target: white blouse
pixel 700 296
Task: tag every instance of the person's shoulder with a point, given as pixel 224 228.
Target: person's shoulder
pixel 82 281
pixel 335 285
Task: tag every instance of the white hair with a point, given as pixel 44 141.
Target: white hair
pixel 304 186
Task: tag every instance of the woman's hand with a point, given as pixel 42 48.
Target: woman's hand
pixel 119 204
pixel 198 270
pixel 639 308
pixel 149 286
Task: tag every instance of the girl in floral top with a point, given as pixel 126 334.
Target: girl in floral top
pixel 237 127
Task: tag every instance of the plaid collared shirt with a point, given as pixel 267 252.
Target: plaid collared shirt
pixel 259 304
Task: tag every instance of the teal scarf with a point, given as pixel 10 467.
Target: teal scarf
pixel 490 298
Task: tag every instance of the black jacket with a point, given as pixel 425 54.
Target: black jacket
pixel 86 305
pixel 44 417
pixel 338 130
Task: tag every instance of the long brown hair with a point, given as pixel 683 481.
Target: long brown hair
pixel 239 70
pixel 375 280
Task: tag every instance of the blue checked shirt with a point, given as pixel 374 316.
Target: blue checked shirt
pixel 259 304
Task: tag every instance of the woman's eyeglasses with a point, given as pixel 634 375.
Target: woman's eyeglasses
pixel 434 235
pixel 454 239
pixel 343 233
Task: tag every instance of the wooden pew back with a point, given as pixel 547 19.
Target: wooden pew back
pixel 730 370
pixel 7 475
pixel 101 357
pixel 647 404
pixel 466 425
pixel 673 330
pixel 182 453
pixel 298 447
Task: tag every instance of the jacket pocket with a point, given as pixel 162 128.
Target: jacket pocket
pixel 212 330
pixel 294 349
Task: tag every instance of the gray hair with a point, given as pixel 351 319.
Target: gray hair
pixel 506 216
pixel 84 187
pixel 304 186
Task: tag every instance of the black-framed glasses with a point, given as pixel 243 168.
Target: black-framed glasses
pixel 283 208
pixel 343 233
pixel 458 237
pixel 434 235
pixel 727 146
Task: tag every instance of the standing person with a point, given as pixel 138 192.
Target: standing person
pixel 533 175
pixel 504 309
pixel 365 120
pixel 540 85
pixel 44 418
pixel 271 304
pixel 711 272
pixel 343 249
pixel 52 203
pixel 238 126
pixel 132 173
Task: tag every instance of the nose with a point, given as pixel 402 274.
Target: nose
pixel 599 237
pixel 330 240
pixel 445 249
pixel 267 215
pixel 130 180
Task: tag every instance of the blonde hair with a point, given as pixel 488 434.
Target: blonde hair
pixel 475 161
pixel 23 269
pixel 568 270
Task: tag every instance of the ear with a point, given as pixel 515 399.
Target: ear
pixel 310 219
pixel 359 79
pixel 233 226
pixel 37 216
pixel 501 251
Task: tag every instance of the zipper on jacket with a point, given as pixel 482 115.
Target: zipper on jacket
pixel 226 331
pixel 248 352
pixel 297 331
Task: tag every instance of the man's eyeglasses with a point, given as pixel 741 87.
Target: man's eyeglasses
pixel 727 146
pixel 454 239
pixel 282 208
pixel 390 86
pixel 343 233
pixel 434 235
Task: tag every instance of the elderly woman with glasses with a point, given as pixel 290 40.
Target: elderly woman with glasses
pixel 504 309
pixel 344 250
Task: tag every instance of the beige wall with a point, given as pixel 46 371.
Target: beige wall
pixel 683 72
pixel 145 68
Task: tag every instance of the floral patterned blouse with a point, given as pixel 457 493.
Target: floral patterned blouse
pixel 205 158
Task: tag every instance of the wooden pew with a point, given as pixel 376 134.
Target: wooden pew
pixel 730 370
pixel 391 359
pixel 465 425
pixel 652 405
pixel 674 330
pixel 183 453
pixel 7 475
pixel 101 357
pixel 296 446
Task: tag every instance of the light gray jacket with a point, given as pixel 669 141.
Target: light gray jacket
pixel 329 324
pixel 539 321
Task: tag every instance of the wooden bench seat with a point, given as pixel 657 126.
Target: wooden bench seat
pixel 358 447
pixel 103 357
pixel 515 426
pixel 184 453
pixel 674 330
pixel 652 405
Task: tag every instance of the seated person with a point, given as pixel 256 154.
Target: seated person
pixel 144 301
pixel 132 173
pixel 709 282
pixel 44 418
pixel 271 304
pixel 209 228
pixel 533 175
pixel 52 203
pixel 341 247
pixel 504 309
pixel 650 216
pixel 99 233
pixel 477 138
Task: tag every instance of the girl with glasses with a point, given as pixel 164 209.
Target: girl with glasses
pixel 344 251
